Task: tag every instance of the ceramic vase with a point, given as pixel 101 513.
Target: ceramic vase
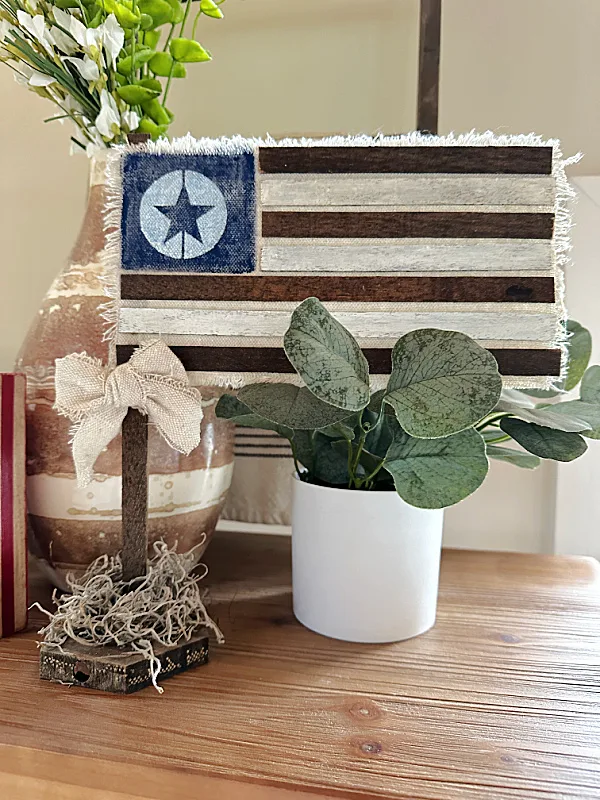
pixel 365 564
pixel 70 526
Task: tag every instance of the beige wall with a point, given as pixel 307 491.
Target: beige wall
pixel 323 66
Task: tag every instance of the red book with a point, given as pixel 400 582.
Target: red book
pixel 13 516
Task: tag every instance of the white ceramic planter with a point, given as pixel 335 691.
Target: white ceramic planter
pixel 365 564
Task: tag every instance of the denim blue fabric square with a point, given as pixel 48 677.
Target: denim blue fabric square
pixel 189 213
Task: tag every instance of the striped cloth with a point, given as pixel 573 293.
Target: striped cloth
pixel 216 241
pixel 13 525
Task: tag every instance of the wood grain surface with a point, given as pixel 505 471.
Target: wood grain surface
pixel 379 288
pixel 273 359
pixel 374 224
pixel 135 494
pixel 499 701
pixel 452 159
pixel 428 91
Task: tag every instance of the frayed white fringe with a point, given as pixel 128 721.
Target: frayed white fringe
pixel 235 145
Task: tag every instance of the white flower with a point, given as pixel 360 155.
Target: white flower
pixel 39 79
pixel 36 27
pixel 5 29
pixel 130 120
pixel 27 76
pixel 108 118
pixel 87 38
pixel 63 41
pixel 62 18
pixel 96 144
pixel 113 38
pixel 87 67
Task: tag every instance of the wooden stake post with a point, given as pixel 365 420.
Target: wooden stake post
pixel 135 494
pixel 429 66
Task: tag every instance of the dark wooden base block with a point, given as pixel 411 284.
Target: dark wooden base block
pixel 122 673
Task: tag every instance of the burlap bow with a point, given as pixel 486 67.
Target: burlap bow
pixel 97 399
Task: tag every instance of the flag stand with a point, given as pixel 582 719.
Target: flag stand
pixel 105 668
pixel 127 673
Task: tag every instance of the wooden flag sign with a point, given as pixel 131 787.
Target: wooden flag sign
pixel 216 241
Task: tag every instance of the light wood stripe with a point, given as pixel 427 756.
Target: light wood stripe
pixel 453 159
pixel 400 224
pixel 502 325
pixel 408 255
pixel 273 360
pixel 391 288
pixel 406 190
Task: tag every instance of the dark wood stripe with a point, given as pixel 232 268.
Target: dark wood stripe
pixel 488 160
pixel 273 359
pixel 406 224
pixel 388 288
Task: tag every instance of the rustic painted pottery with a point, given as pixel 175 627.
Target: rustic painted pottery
pixel 71 527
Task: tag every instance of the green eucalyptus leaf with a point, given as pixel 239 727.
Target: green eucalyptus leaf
pixel 162 64
pixel 341 430
pixel 177 10
pixel 151 39
pixel 231 408
pixel 516 398
pixel 149 126
pixel 136 95
pixel 126 17
pixel 142 56
pixel 330 463
pixel 589 390
pixel 157 112
pixel 160 11
pixel 188 51
pixel 327 357
pixel 376 401
pixel 211 9
pixel 96 19
pixel 436 473
pixel 588 412
pixel 381 435
pixel 515 457
pixel 304 448
pixel 548 416
pixel 442 382
pixel 151 83
pixel 146 22
pixel 579 350
pixel 291 406
pixel 544 442
pixel 579 345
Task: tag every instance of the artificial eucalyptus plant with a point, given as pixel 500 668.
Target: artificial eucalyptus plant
pixel 108 65
pixel 430 432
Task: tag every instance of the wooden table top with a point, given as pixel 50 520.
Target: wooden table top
pixel 501 700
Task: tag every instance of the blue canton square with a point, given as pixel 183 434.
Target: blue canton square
pixel 189 213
